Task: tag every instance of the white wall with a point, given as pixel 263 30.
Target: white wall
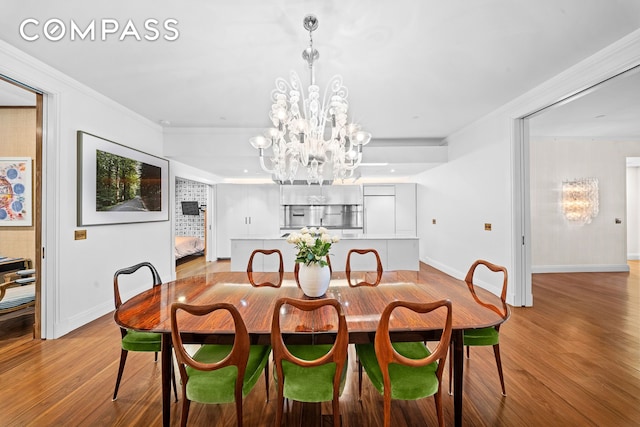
pixel 78 275
pixel 558 245
pixel 472 189
pixel 481 181
pixel 633 213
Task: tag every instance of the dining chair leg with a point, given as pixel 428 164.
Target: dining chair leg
pixel 468 351
pixel 438 400
pixel 123 359
pixel 280 407
pixel 387 409
pixel 359 381
pixel 496 352
pixel 450 371
pixel 336 410
pixel 239 410
pixel 155 357
pixel 185 412
pixel 266 379
pixel 173 380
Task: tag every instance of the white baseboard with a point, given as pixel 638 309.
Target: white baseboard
pixel 74 322
pixel 461 275
pixel 604 268
pixel 633 257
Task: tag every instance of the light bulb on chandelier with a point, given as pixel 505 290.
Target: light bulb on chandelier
pixel 302 124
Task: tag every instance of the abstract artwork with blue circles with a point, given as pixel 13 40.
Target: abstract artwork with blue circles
pixel 15 192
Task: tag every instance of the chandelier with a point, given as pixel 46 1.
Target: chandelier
pixel 310 132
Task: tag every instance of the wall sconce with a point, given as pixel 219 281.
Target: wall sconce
pixel 580 200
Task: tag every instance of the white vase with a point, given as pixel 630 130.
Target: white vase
pixel 314 279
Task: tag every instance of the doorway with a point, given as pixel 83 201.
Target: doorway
pixel 587 134
pixel 21 121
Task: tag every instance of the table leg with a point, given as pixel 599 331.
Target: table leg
pixel 165 368
pixel 458 366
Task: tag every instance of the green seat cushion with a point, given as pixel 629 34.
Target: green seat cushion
pixel 218 386
pixel 142 341
pixel 484 336
pixel 407 383
pixel 314 384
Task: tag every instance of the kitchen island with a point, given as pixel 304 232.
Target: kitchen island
pixel 397 252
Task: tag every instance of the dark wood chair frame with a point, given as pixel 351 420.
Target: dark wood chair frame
pixel 238 356
pixel 337 354
pixel 280 268
pixel 386 354
pixel 502 311
pixel 378 267
pixel 118 302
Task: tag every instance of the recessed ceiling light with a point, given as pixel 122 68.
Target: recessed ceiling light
pixel 392 170
pixel 246 171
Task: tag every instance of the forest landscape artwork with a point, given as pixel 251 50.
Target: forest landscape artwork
pixel 118 184
pixel 124 184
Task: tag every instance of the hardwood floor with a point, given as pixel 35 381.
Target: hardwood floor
pixel 572 359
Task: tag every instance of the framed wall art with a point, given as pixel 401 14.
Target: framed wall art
pixel 118 184
pixel 16 189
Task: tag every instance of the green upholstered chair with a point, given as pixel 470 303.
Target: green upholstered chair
pixel 135 340
pixel 313 372
pixel 268 284
pixel 217 373
pixel 486 336
pixel 406 370
pixel 363 282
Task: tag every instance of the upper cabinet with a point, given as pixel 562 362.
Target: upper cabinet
pixel 245 210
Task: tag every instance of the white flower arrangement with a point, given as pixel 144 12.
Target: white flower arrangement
pixel 313 245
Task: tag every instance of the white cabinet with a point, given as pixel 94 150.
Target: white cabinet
pixel 406 212
pixel 402 254
pixel 245 210
pixel 390 209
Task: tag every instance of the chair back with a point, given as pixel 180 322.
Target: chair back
pixel 237 357
pixel 378 268
pixel 338 352
pixel 296 270
pixel 469 279
pixel 386 354
pixel 130 270
pixel 280 268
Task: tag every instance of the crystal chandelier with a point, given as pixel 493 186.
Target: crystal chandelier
pixel 301 137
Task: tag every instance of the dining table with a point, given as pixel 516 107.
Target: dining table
pixel 150 311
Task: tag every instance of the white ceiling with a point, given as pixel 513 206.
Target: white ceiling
pixel 416 70
pixel 610 111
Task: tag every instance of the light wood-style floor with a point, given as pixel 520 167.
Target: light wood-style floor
pixel 571 360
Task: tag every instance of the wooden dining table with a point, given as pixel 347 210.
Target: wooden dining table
pixel 151 311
